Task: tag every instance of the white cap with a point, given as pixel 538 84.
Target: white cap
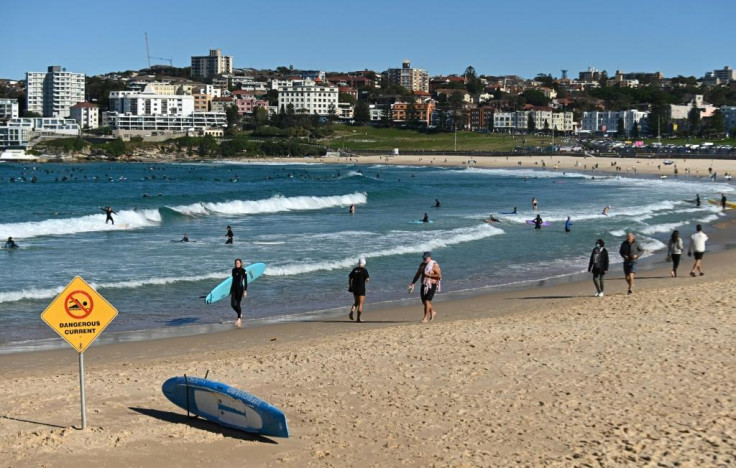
pixel 361 261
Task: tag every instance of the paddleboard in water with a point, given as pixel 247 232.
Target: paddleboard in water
pixel 717 201
pixel 222 290
pixel 419 221
pixel 545 223
pixel 508 213
pixel 226 405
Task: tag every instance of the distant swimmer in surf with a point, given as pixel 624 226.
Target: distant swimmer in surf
pixel 10 244
pixel 492 219
pixel 697 199
pixel 352 209
pixel 426 218
pixel 108 212
pixel 185 238
pixel 229 236
pixel 605 210
pixel 515 212
pixel 568 225
pixel 437 203
pixel 538 222
pixel 534 204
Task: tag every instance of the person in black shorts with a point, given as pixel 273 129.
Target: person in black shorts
pixel 630 251
pixel 356 285
pixel 238 289
pixel 429 271
pixel 229 236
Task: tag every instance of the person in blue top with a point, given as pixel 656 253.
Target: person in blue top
pixel 568 224
pixel 10 244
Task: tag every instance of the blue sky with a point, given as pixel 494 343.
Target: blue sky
pixel 496 37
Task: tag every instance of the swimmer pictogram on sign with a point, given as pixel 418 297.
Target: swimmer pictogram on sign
pixel 79 314
pixel 78 304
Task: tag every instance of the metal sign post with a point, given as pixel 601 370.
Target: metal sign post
pixel 81 390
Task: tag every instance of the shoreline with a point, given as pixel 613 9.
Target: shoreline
pixel 546 375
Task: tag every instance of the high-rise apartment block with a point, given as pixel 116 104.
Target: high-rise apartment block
pixel 52 93
pixel 212 65
pixel 413 79
pixel 8 109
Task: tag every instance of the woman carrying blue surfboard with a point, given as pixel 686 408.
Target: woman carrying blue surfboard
pixel 238 289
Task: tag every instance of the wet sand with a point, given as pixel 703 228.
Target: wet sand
pixel 543 376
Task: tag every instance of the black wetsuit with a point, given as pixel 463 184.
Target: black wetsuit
pixel 538 223
pixel 240 284
pixel 11 245
pixel 229 236
pixel 425 219
pixel 109 212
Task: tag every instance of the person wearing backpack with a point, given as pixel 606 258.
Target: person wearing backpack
pixel 598 265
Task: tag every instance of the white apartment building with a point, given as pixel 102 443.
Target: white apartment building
pixel 52 93
pixel 87 115
pixel 680 112
pixel 127 124
pixel 150 103
pixel 413 79
pixel 214 64
pixel 376 112
pixel 307 97
pixel 46 125
pixel 11 136
pixel 558 121
pixel 8 109
pixel 607 122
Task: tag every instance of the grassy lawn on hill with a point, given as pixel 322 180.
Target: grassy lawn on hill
pixel 371 138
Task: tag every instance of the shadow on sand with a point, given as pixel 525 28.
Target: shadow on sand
pixel 201 424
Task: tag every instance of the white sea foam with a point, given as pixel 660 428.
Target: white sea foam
pixel 708 219
pixel 523 173
pixel 274 204
pixel 126 219
pixel 439 239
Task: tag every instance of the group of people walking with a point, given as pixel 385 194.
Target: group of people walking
pixel 630 251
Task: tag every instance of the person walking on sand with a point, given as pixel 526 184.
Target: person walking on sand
pixel 630 251
pixel 108 212
pixel 431 275
pixel 674 251
pixel 534 204
pixel 696 249
pixel 568 225
pixel 356 285
pixel 238 289
pixel 229 236
pixel 598 265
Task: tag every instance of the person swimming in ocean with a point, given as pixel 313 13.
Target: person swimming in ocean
pixel 10 244
pixel 352 209
pixel 185 238
pixel 426 218
pixel 437 203
pixel 605 210
pixel 515 212
pixel 492 219
pixel 229 235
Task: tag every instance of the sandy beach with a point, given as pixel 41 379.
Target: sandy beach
pixel 589 164
pixel 544 376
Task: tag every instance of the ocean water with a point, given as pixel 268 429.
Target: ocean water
pixel 295 219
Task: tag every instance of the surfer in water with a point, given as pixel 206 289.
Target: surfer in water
pixel 352 209
pixel 492 219
pixel 568 225
pixel 605 210
pixel 185 238
pixel 108 212
pixel 437 203
pixel 426 218
pixel 429 271
pixel 697 199
pixel 538 222
pixel 515 212
pixel 229 236
pixel 10 244
pixel 356 285
pixel 238 289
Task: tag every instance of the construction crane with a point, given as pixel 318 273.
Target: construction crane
pixel 148 55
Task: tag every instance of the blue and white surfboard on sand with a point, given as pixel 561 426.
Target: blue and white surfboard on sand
pixel 222 290
pixel 226 405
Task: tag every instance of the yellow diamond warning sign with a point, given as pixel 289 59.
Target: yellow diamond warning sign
pixel 79 314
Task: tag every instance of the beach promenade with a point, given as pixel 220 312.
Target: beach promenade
pixel 544 376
